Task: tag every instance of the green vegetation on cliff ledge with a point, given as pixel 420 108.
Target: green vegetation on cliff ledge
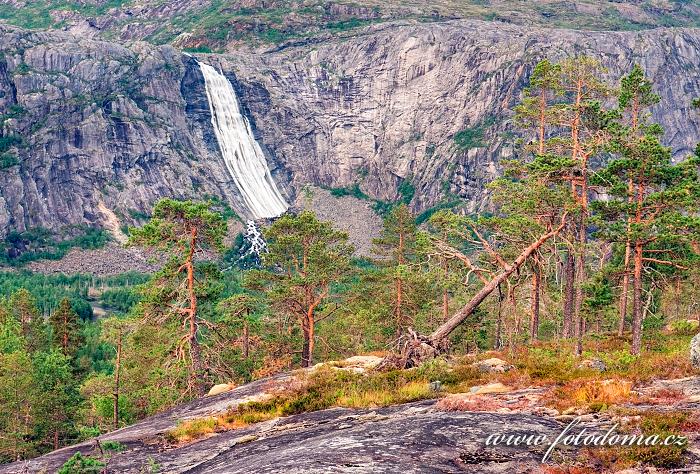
pixel 38 243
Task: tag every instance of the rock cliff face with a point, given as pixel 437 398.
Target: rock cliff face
pixel 88 122
pixel 384 108
pixel 99 123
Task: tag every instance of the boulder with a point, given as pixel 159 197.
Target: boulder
pixel 695 351
pixel 593 364
pixel 493 365
pixel 490 388
pixel 220 388
pixel 364 362
pixel 357 364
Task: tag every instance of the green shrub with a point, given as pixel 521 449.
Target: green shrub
pixel 9 141
pixel 40 243
pixel 469 138
pixel 406 191
pixel 115 446
pixel 353 191
pixel 683 327
pixel 8 160
pixel 79 464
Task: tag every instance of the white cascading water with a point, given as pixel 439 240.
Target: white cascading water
pixel 241 152
pixel 255 240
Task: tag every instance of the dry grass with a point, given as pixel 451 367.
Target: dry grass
pixel 412 391
pixel 664 396
pixel 192 430
pixel 610 392
pixel 592 395
pixel 567 470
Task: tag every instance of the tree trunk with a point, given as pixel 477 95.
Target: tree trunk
pixel 535 301
pixel 637 301
pixel 311 339
pixel 306 351
pixel 305 348
pixel 445 329
pixel 196 375
pixel 517 317
pixel 499 322
pixel 445 294
pixel 117 367
pixel 624 295
pixel 580 278
pixel 569 275
pixel 398 312
pixel 65 333
pixel 543 122
pixel 246 341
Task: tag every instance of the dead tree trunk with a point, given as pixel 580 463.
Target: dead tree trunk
pixel 443 331
pixel 416 348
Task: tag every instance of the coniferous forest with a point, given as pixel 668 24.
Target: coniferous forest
pixel 586 254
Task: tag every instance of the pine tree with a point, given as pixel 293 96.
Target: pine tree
pixel 115 331
pixel 582 117
pixel 66 328
pixel 56 398
pixel 17 417
pixel 656 214
pixel 181 228
pixel 396 248
pixel 577 125
pixel 16 390
pixel 536 108
pixel 24 309
pixel 634 97
pixel 306 259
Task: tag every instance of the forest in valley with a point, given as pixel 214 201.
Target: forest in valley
pixel 589 250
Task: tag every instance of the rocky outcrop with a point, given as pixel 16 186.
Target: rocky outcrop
pixel 444 435
pixel 695 351
pixel 408 438
pixel 492 365
pixel 94 122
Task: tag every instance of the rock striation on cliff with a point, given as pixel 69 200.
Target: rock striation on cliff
pixel 418 111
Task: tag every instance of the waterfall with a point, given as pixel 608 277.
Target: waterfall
pixel 241 152
pixel 255 240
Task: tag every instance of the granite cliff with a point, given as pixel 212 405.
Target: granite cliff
pixel 413 110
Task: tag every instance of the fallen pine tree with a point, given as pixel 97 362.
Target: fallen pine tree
pixel 416 348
